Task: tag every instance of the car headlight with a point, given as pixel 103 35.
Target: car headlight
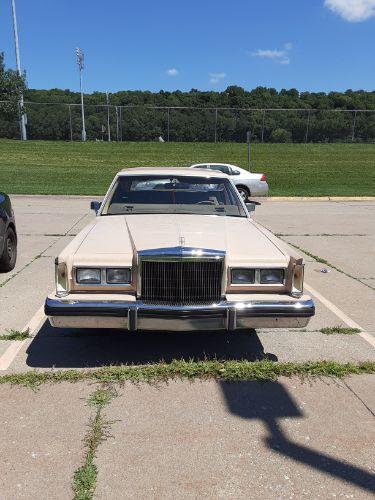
pixel 87 276
pixel 297 281
pixel 271 276
pixel 120 275
pixel 242 276
pixel 61 274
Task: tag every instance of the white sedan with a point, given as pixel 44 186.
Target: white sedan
pixel 247 183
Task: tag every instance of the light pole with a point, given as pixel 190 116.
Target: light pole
pixel 18 63
pixel 80 58
pixel 108 122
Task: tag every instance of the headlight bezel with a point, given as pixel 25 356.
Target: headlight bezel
pixel 103 277
pixel 257 277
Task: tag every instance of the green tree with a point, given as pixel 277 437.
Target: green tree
pixel 280 135
pixel 12 86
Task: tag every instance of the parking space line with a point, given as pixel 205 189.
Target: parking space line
pixel 10 354
pixel 340 314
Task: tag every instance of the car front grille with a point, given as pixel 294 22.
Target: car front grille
pixel 181 282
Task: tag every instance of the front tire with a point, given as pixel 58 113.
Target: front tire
pixel 9 255
pixel 244 192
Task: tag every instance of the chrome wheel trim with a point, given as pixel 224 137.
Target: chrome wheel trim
pixel 11 248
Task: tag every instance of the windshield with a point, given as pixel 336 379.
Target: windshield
pixel 173 194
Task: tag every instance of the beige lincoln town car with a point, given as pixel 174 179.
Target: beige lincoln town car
pixel 176 249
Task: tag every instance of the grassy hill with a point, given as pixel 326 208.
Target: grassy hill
pixel 43 167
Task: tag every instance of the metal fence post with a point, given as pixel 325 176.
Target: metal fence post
pixel 120 113
pixel 168 123
pixel 215 125
pixel 307 126
pixel 108 119
pixel 70 122
pixel 117 123
pixel 263 122
pixel 354 123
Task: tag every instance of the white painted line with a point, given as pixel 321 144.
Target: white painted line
pixel 14 348
pixel 340 314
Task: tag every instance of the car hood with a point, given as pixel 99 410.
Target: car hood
pixel 117 238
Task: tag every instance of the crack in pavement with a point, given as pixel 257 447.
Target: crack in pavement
pixel 359 398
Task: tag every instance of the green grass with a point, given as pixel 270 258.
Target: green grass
pixel 85 478
pixel 192 370
pixel 15 335
pixel 51 167
pixel 331 330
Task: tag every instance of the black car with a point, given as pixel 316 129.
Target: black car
pixel 8 235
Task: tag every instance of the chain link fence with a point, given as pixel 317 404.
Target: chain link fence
pixel 56 121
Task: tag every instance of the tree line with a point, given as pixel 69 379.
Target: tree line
pixel 144 116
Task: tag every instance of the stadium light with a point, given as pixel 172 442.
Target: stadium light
pixel 80 60
pixel 18 63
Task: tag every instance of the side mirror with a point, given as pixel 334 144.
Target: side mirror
pixel 95 205
pixel 250 207
pixel 235 172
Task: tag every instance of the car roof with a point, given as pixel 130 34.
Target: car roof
pixel 210 163
pixel 180 171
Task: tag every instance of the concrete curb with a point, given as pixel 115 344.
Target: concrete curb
pixel 319 198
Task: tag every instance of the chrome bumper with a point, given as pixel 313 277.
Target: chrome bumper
pixel 136 315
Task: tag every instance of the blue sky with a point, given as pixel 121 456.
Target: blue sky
pixel 316 45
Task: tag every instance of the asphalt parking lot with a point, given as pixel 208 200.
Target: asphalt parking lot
pixel 204 439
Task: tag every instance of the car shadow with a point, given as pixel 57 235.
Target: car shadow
pixel 270 401
pixel 94 348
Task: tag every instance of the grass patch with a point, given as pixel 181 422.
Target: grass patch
pixel 32 167
pixel 192 370
pixel 85 478
pixel 331 330
pixel 15 335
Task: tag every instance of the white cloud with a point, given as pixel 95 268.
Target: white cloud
pixel 269 54
pixel 218 75
pixel 352 10
pixel 215 78
pixel 279 56
pixel 172 72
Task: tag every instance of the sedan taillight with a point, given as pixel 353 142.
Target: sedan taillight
pixel 263 178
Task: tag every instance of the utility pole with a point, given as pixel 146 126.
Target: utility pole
pixel 248 140
pixel 18 63
pixel 80 59
pixel 108 123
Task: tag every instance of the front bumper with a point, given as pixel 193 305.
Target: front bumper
pixel 133 315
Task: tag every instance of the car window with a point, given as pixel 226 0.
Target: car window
pixel 220 168
pixel 177 194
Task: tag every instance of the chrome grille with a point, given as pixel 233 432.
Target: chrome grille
pixel 181 282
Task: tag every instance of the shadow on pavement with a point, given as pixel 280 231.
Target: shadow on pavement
pixel 94 348
pixel 268 401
